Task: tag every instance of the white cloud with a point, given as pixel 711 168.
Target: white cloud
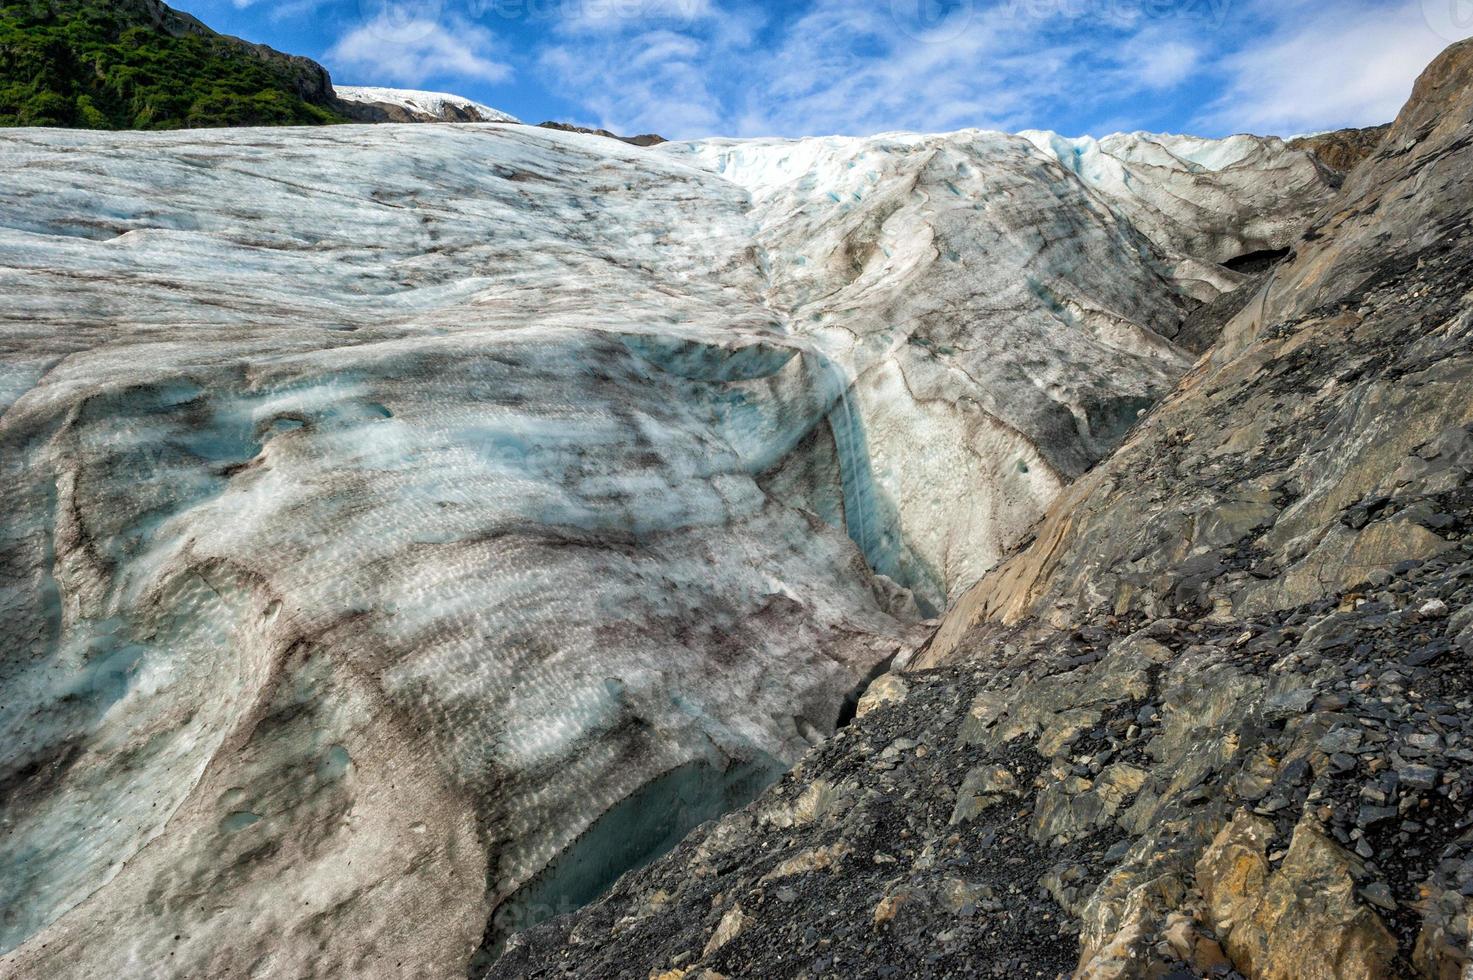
pixel 848 68
pixel 413 50
pixel 1323 68
pixel 688 68
pixel 1159 63
pixel 657 81
pixel 665 66
pixel 864 66
pixel 838 67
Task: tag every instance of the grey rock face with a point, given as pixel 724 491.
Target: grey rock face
pixel 1113 844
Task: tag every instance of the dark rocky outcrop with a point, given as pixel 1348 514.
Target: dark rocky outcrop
pixel 1215 719
pixel 647 139
pixel 1201 327
pixel 1342 149
pixel 388 112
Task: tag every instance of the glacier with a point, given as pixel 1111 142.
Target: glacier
pixel 410 528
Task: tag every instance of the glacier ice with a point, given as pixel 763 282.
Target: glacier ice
pixel 408 527
pixel 1201 201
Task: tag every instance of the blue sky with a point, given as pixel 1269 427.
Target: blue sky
pixel 686 68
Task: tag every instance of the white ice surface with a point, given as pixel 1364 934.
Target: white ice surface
pixel 384 504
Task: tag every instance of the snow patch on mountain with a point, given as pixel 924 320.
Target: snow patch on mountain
pixel 440 106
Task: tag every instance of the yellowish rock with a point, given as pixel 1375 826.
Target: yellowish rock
pixel 1118 782
pixel 1119 958
pixel 814 803
pixel 686 973
pixel 886 689
pixel 1064 728
pixel 816 800
pixel 813 859
pixel 732 924
pixel 1444 948
pixel 982 787
pixel 1200 952
pixel 889 906
pixel 1233 872
pixel 1271 931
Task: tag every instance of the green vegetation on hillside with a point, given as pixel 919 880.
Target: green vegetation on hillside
pixel 97 64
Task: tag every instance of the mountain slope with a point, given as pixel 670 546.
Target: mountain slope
pixel 137 64
pixel 1214 719
pixel 370 104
